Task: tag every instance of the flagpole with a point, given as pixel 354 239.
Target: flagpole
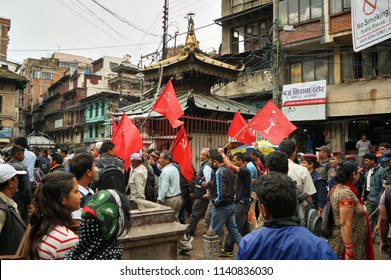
pixel 156 95
pixel 172 144
pixel 235 136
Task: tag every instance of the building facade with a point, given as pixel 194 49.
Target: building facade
pixel 316 46
pixel 43 73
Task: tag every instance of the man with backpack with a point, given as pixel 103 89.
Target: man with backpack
pixel 82 166
pixel 110 173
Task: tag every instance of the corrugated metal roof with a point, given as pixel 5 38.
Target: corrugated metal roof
pixel 202 101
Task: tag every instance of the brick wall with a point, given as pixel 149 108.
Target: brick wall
pixel 340 23
pixel 302 32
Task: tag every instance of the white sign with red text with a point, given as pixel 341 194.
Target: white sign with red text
pixel 371 22
pixel 304 101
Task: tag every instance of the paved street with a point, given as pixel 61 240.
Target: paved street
pixel 198 250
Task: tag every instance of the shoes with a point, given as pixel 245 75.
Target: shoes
pixel 185 245
pixel 224 253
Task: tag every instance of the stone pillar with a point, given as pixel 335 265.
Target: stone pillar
pixel 211 247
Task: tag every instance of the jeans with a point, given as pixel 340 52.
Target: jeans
pixel 225 215
pixel 242 224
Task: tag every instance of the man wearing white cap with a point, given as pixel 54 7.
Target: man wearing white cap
pixel 137 177
pixel 12 226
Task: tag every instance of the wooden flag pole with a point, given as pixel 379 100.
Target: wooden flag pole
pixel 156 96
pixel 235 135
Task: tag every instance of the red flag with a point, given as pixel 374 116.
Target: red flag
pixel 272 124
pixel 127 140
pixel 113 125
pixel 168 105
pixel 181 153
pixel 240 130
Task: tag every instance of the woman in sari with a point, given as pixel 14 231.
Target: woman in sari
pixel 351 238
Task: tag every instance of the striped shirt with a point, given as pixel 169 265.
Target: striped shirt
pixel 54 245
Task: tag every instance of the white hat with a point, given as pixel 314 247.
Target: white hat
pixel 136 156
pixel 7 172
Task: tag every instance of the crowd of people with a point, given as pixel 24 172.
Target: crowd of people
pixel 76 205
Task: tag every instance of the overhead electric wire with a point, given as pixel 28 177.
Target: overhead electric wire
pixel 88 20
pixel 124 20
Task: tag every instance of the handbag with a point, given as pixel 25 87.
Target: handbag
pixel 327 220
pixel 21 252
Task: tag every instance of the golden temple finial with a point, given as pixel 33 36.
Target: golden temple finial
pixel 191 40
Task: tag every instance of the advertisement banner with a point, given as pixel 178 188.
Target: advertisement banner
pixel 371 22
pixel 304 101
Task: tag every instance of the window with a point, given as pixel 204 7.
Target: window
pixel 66 64
pixel 91 110
pixel 312 69
pixel 36 74
pixel 97 105
pixel 308 71
pixel 1 103
pixel 113 65
pixel 96 130
pixel 103 109
pixel 296 73
pixel 369 64
pixel 384 58
pixel 250 37
pixel 236 2
pixel 283 12
pixel 297 11
pixel 338 6
pixel 47 76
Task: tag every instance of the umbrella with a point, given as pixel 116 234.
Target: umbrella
pixel 242 149
pixel 264 146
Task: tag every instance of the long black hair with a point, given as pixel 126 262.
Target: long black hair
pixel 49 211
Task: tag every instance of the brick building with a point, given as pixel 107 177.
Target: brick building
pixel 316 45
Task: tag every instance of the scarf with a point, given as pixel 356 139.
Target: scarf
pixel 102 223
pixel 369 246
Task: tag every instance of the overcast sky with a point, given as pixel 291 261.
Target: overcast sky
pixel 82 27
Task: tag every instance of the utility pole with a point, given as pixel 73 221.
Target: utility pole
pixel 165 29
pixel 275 49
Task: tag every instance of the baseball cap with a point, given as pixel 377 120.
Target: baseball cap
pixel 7 172
pixel 386 156
pixel 325 148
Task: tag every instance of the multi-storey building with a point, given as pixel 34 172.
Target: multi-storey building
pixel 77 107
pixel 316 46
pixel 5 25
pixel 10 85
pixel 42 73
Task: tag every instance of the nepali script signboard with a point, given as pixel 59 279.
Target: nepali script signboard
pixel 371 22
pixel 304 101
